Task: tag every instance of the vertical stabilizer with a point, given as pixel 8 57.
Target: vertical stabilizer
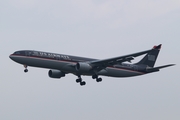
pixel 150 58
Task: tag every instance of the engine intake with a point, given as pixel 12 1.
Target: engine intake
pixel 83 67
pixel 56 74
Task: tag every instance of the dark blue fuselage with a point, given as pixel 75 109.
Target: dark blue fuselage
pixel 66 64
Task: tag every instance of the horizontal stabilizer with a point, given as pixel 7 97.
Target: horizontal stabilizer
pixel 158 68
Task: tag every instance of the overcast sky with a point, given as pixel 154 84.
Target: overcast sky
pixel 96 29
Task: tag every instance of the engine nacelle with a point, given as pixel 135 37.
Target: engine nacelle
pixel 56 74
pixel 83 67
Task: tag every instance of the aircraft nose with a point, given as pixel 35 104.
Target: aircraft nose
pixel 11 57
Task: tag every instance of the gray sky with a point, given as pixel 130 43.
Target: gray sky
pixel 97 29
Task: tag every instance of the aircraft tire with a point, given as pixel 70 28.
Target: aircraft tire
pixel 94 76
pixel 83 83
pixel 78 80
pixel 26 70
pixel 99 79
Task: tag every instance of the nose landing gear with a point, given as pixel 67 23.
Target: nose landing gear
pixel 25 70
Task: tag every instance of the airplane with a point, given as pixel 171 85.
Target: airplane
pixel 60 64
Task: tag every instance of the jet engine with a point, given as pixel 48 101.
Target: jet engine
pixel 83 67
pixel 56 74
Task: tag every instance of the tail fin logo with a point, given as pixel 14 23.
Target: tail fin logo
pixel 151 58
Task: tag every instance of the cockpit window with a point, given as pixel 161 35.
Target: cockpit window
pixel 17 53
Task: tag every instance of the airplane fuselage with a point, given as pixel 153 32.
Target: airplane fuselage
pixel 60 64
pixel 67 63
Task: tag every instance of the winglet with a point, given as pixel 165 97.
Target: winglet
pixel 157 47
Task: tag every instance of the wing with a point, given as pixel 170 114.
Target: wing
pixel 101 64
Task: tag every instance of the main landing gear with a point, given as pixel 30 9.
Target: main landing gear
pixel 25 70
pixel 79 80
pixel 96 77
pixel 82 83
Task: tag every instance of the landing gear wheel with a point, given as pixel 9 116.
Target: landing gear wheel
pixel 26 70
pixel 99 79
pixel 94 76
pixel 78 80
pixel 83 83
